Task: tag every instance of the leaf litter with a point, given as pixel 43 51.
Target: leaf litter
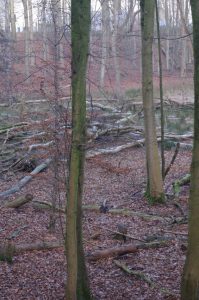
pixel 118 180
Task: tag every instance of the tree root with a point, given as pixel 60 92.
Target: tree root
pixel 142 276
pixel 132 272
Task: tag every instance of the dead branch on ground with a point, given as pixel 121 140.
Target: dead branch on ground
pixel 100 254
pixel 26 179
pixel 173 159
pixel 137 274
pixel 16 203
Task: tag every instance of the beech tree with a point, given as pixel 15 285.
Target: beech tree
pixel 27 39
pixel 154 178
pixel 116 10
pixel 190 280
pixel 105 39
pixel 77 282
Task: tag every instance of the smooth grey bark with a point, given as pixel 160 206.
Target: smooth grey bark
pixel 116 8
pixel 30 14
pixel 27 39
pixel 44 32
pixel 105 39
pixel 166 6
pixel 13 20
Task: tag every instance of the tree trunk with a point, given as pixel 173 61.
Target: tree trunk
pixel 77 281
pixel 190 280
pixel 8 47
pixel 12 20
pixel 154 180
pixel 44 33
pixel 166 4
pixel 183 42
pixel 105 39
pixel 27 39
pixel 32 56
pixel 161 90
pixel 116 6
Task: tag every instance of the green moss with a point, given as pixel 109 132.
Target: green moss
pixel 168 145
pixel 7 252
pixel 133 93
pixel 154 200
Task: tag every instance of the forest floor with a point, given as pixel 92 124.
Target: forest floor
pixel 120 180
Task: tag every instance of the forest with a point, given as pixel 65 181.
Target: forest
pixel 99 149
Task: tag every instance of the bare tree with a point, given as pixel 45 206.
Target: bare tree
pixel 154 179
pixel 105 38
pixel 27 39
pixel 190 286
pixel 77 281
pixel 116 10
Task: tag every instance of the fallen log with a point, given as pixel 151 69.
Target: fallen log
pixel 127 212
pixel 96 208
pixel 19 201
pixel 179 137
pixel 112 131
pixel 122 250
pixel 9 250
pixel 111 252
pixel 138 143
pixel 47 206
pixel 40 145
pixel 123 211
pixel 113 150
pixel 38 246
pixel 180 182
pixel 128 119
pixel 103 107
pixel 26 179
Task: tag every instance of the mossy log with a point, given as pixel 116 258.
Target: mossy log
pixel 8 250
pixel 11 249
pixel 96 208
pixel 16 203
pixel 137 274
pixel 180 182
